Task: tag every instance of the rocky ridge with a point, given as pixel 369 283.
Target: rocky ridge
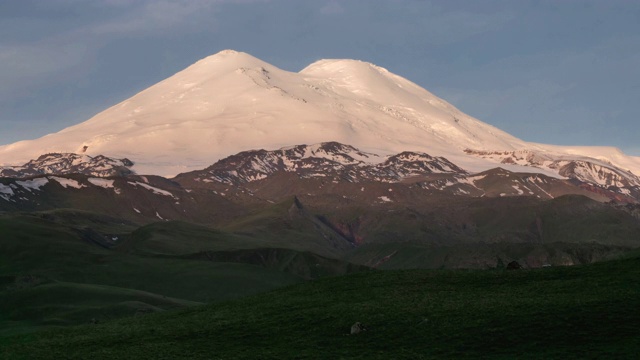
pixel 70 163
pixel 589 173
pixel 249 172
pixel 330 160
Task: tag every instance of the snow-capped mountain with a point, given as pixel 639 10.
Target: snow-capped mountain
pixel 232 102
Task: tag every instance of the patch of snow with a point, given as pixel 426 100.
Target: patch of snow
pixel 471 180
pixel 67 183
pixel 543 190
pixel 385 199
pixel 136 210
pixel 155 190
pixel 517 188
pixel 256 177
pixel 6 192
pixel 104 183
pixel 6 189
pixel 34 184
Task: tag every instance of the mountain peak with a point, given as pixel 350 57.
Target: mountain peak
pixel 342 65
pixel 222 63
pixel 354 75
pixel 227 52
pixel 232 101
pixel 230 56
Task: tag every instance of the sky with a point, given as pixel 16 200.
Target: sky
pixel 557 72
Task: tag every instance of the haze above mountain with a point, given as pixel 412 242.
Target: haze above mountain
pixel 231 102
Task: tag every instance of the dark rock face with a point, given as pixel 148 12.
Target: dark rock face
pixel 67 163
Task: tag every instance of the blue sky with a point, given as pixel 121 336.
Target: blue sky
pixel 560 72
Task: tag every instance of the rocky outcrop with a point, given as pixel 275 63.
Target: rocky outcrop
pixel 68 163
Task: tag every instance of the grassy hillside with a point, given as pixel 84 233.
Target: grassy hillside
pixel 30 304
pixel 566 312
pixel 46 249
pixel 56 270
pixel 288 224
pixel 66 267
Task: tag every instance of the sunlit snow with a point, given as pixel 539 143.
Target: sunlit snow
pixel 34 184
pixel 105 183
pixel 155 190
pixel 67 183
pixel 232 102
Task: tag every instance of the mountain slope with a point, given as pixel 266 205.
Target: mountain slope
pixel 232 102
pixel 438 219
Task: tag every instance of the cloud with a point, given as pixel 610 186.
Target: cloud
pixel 453 26
pixel 27 65
pixel 152 16
pixel 331 8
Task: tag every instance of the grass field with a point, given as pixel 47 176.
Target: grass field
pixel 586 311
pixel 62 267
pixel 79 284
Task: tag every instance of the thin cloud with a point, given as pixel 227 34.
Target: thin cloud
pixel 26 65
pixel 331 8
pixel 153 16
pixel 454 26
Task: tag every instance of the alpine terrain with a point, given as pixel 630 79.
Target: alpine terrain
pixel 233 178
pixel 232 102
